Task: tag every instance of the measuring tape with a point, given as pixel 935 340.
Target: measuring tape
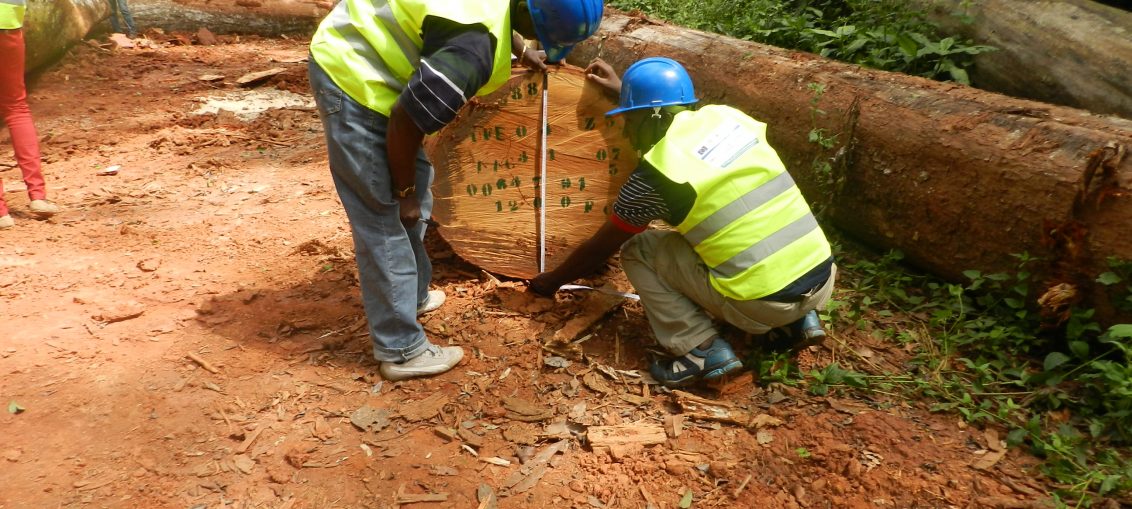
pixel 542 178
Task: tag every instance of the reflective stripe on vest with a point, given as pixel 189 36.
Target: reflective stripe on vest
pixel 12 14
pixel 749 223
pixel 371 48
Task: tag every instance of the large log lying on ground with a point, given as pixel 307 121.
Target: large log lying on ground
pixel 52 26
pixel 955 177
pixel 262 17
pixel 1071 52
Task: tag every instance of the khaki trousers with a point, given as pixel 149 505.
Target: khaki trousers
pixel 680 302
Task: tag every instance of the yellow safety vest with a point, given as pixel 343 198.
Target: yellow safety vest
pixel 749 223
pixel 12 14
pixel 370 48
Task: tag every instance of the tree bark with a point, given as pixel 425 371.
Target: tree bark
pixel 52 26
pixel 259 17
pixel 1070 52
pixel 955 177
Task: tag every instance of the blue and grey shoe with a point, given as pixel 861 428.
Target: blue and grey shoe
pixel 808 330
pixel 707 364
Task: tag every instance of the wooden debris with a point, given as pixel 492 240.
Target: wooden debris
pixel 721 411
pixel 250 439
pixel 522 410
pixel 988 460
pixel 119 312
pixel 368 418
pixel 633 399
pixel 596 383
pixel 622 451
pixel 495 460
pixel 448 434
pixel 424 409
pixel 674 425
pixel 529 474
pixel 742 485
pixel 255 78
pixel 203 363
pixel 595 305
pixel 469 437
pixel 121 41
pixel 644 434
pixel 522 434
pixel 408 498
pixel 487 497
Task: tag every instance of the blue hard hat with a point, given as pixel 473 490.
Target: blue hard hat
pixel 560 24
pixel 654 82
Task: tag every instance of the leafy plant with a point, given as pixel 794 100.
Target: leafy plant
pixel 883 34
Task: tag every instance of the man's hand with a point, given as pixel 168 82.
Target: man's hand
pixel 410 210
pixel 533 59
pixel 543 284
pixel 602 73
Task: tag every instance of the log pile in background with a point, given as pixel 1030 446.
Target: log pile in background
pixel 955 177
pixel 1071 52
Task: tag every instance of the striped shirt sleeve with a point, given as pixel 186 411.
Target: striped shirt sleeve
pixel 456 61
pixel 638 203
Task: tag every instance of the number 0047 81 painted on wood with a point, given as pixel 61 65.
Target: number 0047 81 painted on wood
pixel 487 174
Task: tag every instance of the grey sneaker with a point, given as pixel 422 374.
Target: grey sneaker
pixel 43 208
pixel 433 302
pixel 6 222
pixel 433 361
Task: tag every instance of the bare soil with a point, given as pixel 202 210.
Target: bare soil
pixel 223 239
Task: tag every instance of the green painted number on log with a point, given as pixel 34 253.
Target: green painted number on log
pixel 582 183
pixel 601 154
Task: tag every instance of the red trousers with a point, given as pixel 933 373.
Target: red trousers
pixel 14 109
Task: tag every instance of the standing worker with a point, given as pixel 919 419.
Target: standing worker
pixel 746 248
pixel 384 73
pixel 14 109
pixel 122 8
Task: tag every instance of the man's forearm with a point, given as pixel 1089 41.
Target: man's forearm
pixel 403 142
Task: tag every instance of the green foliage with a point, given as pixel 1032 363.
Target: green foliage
pixel 883 34
pixel 982 352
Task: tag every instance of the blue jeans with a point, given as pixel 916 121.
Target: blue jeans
pixel 393 267
pixel 120 6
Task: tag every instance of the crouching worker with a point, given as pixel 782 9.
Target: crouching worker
pixel 746 250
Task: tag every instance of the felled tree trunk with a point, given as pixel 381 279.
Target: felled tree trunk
pixel 54 25
pixel 1071 52
pixel 51 26
pixel 262 17
pixel 955 177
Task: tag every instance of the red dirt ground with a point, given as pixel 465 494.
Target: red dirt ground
pixel 224 239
